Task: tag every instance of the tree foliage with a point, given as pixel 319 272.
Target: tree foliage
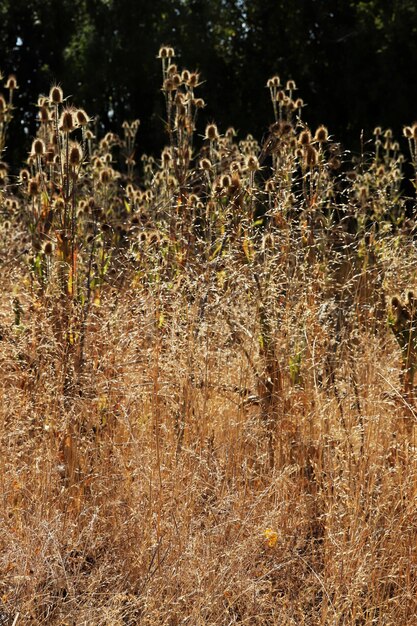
pixel 353 61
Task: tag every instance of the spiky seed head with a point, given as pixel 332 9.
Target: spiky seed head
pixel 56 95
pixel 24 176
pixel 176 80
pixel 322 134
pixel 75 154
pixel 280 96
pixel 212 134
pixel 273 82
pixel 44 115
pixel 225 181
pixel 252 163
pixel 299 103
pixel 168 85
pixel 311 156
pixel 194 79
pixel 290 86
pixel 408 132
pixel 305 138
pixel 166 157
pixel 48 248
pixel 235 167
pixel 81 117
pixel 270 186
pixel 33 187
pixel 205 164
pixel 11 83
pixel 172 69
pixel 163 52
pixel 105 176
pixel 185 76
pixel 199 103
pixel 38 147
pixel 66 122
pixel 170 52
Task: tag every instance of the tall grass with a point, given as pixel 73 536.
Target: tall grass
pixel 205 416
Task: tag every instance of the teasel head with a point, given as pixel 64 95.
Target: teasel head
pixel 299 104
pixel 310 156
pixel 274 82
pixel 377 131
pixel 185 76
pixel 321 135
pixel 305 138
pixel 235 168
pixel 166 158
pixel 11 83
pixel 230 133
pixel 205 164
pixel 270 186
pixel 75 154
pixel 56 95
pixel 81 117
pixel 38 147
pixel 44 115
pixel 172 69
pixel 280 97
pixel 176 80
pixel 66 121
pixel 24 176
pixel 163 52
pixel 408 132
pixel 252 163
pixel 48 248
pixel 194 79
pixel 105 176
pixel 33 187
pixel 199 103
pixel 225 181
pixel 290 86
pixel 212 134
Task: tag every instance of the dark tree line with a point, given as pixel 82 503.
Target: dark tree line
pixel 353 61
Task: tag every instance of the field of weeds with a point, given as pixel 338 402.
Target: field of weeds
pixel 207 413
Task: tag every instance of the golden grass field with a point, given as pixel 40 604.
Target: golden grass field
pixel 207 413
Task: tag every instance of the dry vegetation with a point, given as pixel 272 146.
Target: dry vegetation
pixel 205 418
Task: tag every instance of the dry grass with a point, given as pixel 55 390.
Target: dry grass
pixel 203 418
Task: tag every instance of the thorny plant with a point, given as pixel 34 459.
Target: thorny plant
pixel 217 323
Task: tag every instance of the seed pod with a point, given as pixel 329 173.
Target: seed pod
pixel 322 134
pixel 75 154
pixel 212 134
pixel 56 95
pixel 305 138
pixel 11 83
pixel 81 117
pixel 66 122
pixel 38 147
